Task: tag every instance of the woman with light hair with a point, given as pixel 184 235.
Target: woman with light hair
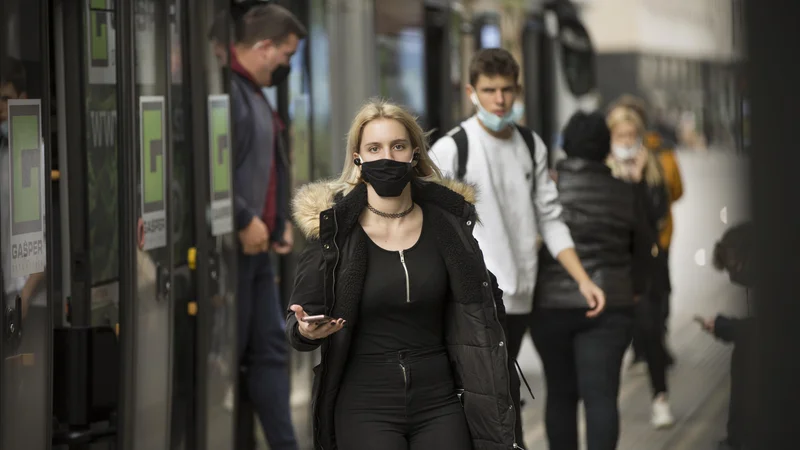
pixel 392 286
pixel 630 161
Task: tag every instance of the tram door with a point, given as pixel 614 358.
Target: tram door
pixel 25 219
pixel 151 248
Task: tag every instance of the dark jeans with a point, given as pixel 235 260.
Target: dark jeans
pixel 263 350
pixel 400 401
pixel 582 358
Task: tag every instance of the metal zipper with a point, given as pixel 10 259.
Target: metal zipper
pixel 505 352
pixel 408 282
pixel 405 375
pixel 333 289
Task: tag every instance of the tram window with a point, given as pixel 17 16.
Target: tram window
pixel 401 53
pixel 490 36
pixel 577 58
pixel 101 151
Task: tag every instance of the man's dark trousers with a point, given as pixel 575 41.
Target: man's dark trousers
pixel 263 349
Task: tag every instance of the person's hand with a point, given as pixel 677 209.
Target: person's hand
pixel 594 296
pixel 288 241
pixel 639 163
pixel 255 237
pixel 708 325
pixel 315 331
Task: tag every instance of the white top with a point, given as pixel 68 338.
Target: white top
pixel 511 212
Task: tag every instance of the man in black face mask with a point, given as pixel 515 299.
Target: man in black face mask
pixel 266 37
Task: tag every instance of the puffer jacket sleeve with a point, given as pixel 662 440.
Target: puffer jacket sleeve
pixel 308 292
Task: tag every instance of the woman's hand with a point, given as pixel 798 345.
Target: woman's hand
pixel 315 331
pixel 595 297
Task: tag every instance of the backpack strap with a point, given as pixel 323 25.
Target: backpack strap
pixel 459 135
pixel 527 136
pixel 462 145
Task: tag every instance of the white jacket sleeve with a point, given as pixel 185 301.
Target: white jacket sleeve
pixel 445 155
pixel 555 232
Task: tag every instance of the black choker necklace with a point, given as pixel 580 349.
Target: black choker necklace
pixel 392 215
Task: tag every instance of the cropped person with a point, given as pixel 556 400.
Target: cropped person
pixel 733 254
pixel 582 357
pixel 663 148
pixel 266 38
pixel 413 319
pixel 631 162
pixel 519 201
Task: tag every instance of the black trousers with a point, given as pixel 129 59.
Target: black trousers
pixel 582 358
pixel 400 401
pixel 517 325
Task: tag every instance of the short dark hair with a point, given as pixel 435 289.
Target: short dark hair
pixel 13 72
pixel 492 62
pixel 734 247
pixel 273 22
pixel 587 136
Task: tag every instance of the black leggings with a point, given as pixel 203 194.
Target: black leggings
pixel 402 401
pixel 649 332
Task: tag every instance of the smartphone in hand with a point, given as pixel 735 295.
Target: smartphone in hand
pixel 317 319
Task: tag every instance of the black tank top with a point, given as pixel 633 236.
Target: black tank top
pixel 403 302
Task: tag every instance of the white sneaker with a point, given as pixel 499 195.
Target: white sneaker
pixel 662 415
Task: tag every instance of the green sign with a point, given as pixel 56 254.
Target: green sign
pixel 100 36
pixel 221 159
pixel 153 170
pixel 26 167
pixel 220 164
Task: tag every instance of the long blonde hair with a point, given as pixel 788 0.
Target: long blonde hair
pixel 652 169
pixel 375 109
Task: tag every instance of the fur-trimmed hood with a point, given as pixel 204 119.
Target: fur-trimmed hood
pixel 314 198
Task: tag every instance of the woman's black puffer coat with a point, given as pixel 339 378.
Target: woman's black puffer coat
pixel 330 278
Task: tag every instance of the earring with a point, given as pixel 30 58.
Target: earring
pixel 357 161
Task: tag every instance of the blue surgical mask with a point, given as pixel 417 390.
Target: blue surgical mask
pixel 4 129
pixel 495 122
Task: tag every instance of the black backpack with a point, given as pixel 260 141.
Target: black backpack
pixel 460 136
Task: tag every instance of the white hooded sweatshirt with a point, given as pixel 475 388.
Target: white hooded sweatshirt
pixel 511 212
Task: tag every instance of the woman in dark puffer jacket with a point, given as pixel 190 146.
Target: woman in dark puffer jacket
pixel 582 356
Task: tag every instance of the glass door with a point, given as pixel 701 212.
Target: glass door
pixel 25 219
pixel 147 211
pixel 214 254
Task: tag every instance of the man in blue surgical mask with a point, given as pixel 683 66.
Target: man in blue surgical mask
pixel 518 200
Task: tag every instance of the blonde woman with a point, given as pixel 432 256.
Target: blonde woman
pixel 632 162
pixel 411 326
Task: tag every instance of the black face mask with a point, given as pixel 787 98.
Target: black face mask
pixel 279 74
pixel 387 176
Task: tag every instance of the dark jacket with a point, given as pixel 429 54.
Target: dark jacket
pixel 609 227
pixel 330 278
pixel 254 134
